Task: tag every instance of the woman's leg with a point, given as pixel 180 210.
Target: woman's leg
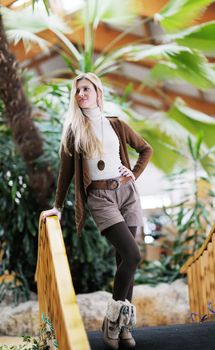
pixel 120 236
pixel 133 230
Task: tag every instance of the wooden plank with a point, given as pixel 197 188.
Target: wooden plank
pixel 203 285
pixel 195 287
pixel 56 294
pixel 200 292
pixel 199 252
pixel 207 277
pixel 7 3
pixel 190 289
pixel 211 273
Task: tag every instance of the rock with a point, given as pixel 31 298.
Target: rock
pixel 20 320
pixel 92 308
pixel 160 305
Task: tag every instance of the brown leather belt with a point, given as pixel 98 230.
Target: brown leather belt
pixel 110 184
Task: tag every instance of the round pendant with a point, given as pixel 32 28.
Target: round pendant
pixel 101 164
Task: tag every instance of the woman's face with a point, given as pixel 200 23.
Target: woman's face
pixel 86 95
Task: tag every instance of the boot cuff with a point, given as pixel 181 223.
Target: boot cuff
pixel 113 309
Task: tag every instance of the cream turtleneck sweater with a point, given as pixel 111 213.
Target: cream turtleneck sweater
pixel 110 142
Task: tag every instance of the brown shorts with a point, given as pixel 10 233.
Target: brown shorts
pixel 109 207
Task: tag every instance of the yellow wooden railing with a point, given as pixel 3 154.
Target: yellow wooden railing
pixel 56 294
pixel 200 269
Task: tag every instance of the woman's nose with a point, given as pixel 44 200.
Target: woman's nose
pixel 81 93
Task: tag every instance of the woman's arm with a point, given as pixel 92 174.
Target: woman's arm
pixel 66 172
pixel 141 146
pixel 65 176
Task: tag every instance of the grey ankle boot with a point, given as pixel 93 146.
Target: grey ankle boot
pixel 110 326
pixel 127 323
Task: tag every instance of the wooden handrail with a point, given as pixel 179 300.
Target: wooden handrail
pixel 200 269
pixel 56 294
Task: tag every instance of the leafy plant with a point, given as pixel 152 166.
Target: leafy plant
pixel 46 339
pixel 189 219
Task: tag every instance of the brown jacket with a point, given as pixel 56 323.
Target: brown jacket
pixel 75 165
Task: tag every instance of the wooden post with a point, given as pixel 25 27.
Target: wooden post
pixel 56 294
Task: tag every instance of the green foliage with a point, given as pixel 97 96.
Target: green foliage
pixel 90 257
pixel 46 339
pixel 18 217
pixel 178 14
pixel 199 37
pixel 193 121
pixel 190 66
pixel 45 2
pixel 190 217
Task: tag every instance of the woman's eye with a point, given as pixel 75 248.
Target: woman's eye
pixel 86 89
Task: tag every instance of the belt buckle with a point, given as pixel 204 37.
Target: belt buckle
pixel 114 184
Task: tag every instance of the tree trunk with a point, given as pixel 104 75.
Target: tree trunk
pixel 19 116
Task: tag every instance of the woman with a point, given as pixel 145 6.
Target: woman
pixel 94 151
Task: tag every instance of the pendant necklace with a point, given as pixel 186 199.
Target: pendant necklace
pixel 101 163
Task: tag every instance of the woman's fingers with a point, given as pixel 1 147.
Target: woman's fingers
pixel 51 212
pixel 126 172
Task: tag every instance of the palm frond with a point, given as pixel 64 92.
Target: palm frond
pixel 121 12
pixel 28 38
pixel 199 37
pixel 140 52
pixel 33 21
pixel 135 52
pixel 189 66
pixel 178 14
pixel 193 121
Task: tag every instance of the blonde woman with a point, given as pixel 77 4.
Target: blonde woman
pixel 94 152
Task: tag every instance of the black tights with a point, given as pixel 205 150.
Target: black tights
pixel 127 257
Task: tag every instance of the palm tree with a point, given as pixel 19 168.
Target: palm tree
pixel 19 116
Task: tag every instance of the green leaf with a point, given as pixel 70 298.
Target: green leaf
pixel 189 66
pixel 134 52
pixel 200 37
pixel 128 90
pixel 55 343
pixel 193 120
pixel 178 14
pixel 191 148
pixel 208 152
pixel 139 52
pixel 165 158
pixel 121 12
pixel 198 144
pixel 45 2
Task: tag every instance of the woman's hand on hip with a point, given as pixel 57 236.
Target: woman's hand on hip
pixel 51 212
pixel 126 172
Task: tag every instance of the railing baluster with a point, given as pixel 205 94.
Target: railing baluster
pixel 200 269
pixel 56 294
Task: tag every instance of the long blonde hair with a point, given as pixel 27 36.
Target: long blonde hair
pixel 77 126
